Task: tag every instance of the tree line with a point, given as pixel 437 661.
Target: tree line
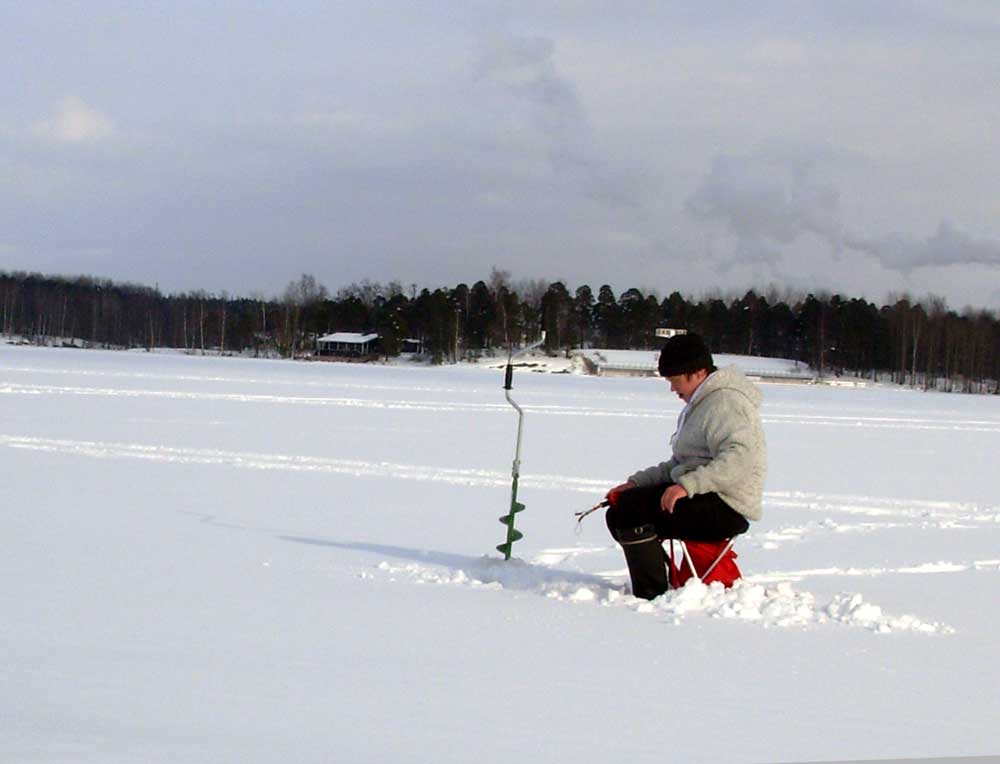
pixel 916 342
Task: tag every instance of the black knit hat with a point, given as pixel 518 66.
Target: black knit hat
pixel 684 354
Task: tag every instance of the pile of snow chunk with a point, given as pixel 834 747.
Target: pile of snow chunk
pixel 852 608
pixel 780 605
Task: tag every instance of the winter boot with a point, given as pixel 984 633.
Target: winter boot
pixel 645 559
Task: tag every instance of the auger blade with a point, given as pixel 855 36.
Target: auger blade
pixel 509 518
pixel 513 535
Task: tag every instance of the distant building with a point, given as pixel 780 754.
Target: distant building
pixel 666 332
pixel 411 345
pixel 347 345
pixel 644 363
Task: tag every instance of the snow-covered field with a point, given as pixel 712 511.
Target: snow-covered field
pixel 229 560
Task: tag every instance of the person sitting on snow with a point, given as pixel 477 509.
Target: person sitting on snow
pixel 713 483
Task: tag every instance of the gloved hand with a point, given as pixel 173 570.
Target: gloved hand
pixel 612 495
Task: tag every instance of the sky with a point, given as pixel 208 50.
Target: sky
pixel 705 147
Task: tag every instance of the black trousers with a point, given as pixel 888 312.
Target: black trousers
pixel 704 517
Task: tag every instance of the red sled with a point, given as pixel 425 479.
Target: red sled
pixel 709 561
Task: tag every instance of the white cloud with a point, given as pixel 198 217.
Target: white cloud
pixel 787 200
pixel 73 121
pixel 525 67
pixel 949 245
pixel 769 197
pixel 519 79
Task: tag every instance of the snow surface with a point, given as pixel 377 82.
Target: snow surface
pixel 220 559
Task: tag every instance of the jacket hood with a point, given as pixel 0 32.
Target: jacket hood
pixel 730 378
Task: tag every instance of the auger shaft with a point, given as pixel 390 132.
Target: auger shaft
pixel 515 506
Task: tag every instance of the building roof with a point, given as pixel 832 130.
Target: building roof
pixel 348 337
pixel 646 361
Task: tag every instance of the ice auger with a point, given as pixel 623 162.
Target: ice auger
pixel 515 506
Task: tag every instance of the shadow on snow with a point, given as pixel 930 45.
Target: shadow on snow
pixel 511 574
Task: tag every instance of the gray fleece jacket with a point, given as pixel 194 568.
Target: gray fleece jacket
pixel 720 445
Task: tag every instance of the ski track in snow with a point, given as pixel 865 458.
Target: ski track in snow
pixel 348 402
pixel 883 513
pixel 903 512
pixel 297 382
pixel 270 382
pixel 298 463
pixel 438 406
pixel 921 569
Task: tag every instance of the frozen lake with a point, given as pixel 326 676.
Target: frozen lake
pixel 212 559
